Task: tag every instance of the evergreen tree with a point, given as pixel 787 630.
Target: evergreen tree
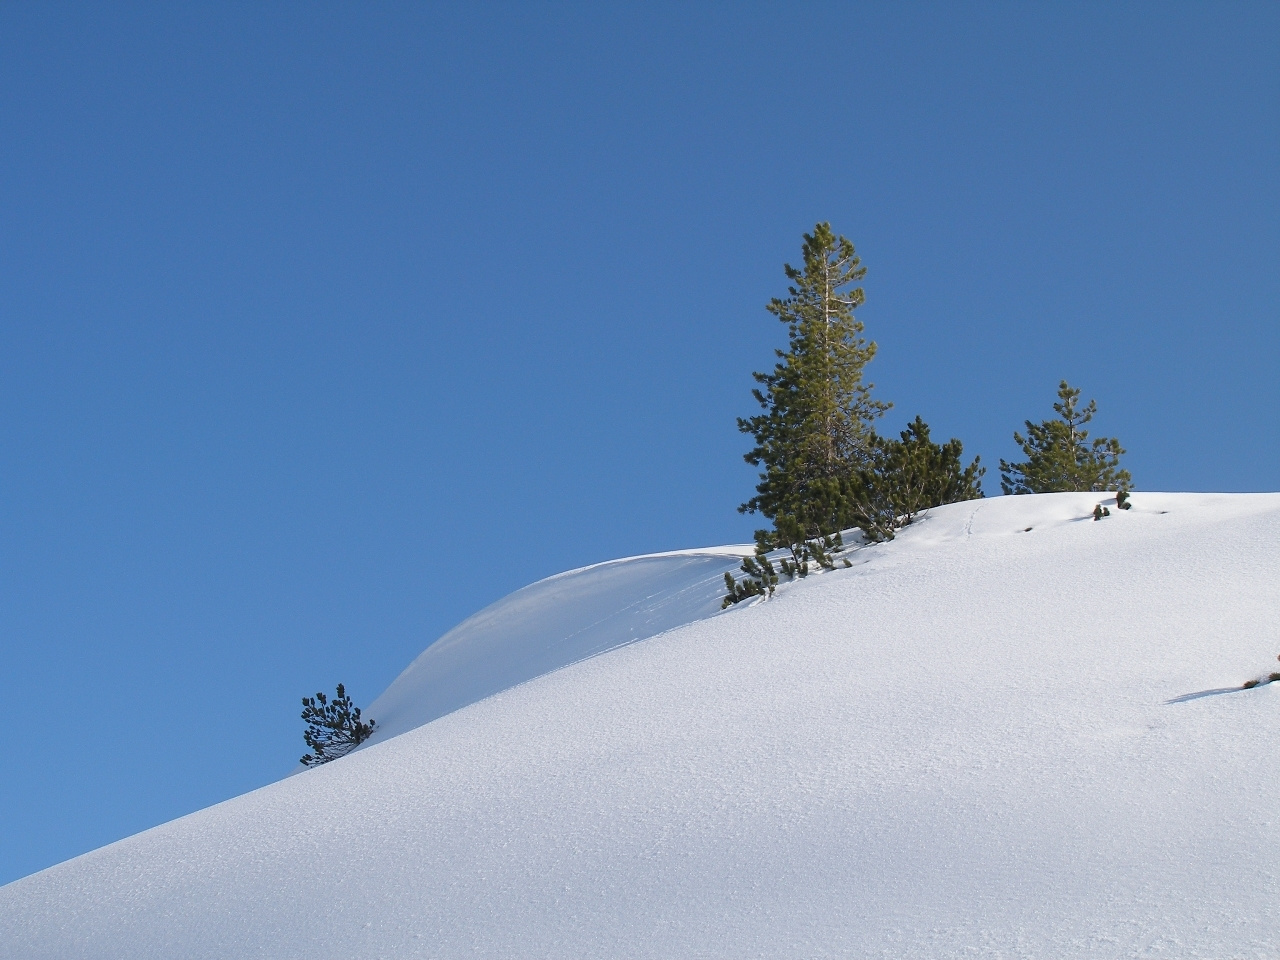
pixel 759 580
pixel 334 727
pixel 1060 455
pixel 814 433
pixel 910 475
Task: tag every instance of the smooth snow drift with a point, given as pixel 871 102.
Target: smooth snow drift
pixel 551 624
pixel 980 741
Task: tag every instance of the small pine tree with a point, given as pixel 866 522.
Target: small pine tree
pixel 1060 456
pixel 759 579
pixel 910 475
pixel 334 727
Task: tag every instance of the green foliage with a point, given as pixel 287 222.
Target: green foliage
pixel 334 727
pixel 1122 500
pixel 1060 456
pixel 804 554
pixel 823 467
pixel 908 476
pixel 814 433
pixel 760 578
pixel 1099 511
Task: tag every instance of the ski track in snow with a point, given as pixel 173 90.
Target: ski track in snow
pixel 976 742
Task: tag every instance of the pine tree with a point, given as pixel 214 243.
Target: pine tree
pixel 814 433
pixel 334 728
pixel 760 580
pixel 910 475
pixel 1061 457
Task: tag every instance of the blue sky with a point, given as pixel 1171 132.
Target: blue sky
pixel 324 325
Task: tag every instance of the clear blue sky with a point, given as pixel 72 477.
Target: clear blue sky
pixel 324 325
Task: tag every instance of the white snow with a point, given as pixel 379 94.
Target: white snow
pixel 979 741
pixel 551 624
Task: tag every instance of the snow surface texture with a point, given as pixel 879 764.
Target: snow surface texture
pixel 551 624
pixel 980 741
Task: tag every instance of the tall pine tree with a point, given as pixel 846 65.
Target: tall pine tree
pixel 814 433
pixel 1060 456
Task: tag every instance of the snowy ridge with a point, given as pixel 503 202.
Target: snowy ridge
pixel 980 740
pixel 551 624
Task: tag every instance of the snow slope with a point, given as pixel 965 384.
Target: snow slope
pixel 979 741
pixel 551 624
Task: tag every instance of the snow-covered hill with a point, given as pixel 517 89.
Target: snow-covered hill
pixel 1012 732
pixel 551 624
